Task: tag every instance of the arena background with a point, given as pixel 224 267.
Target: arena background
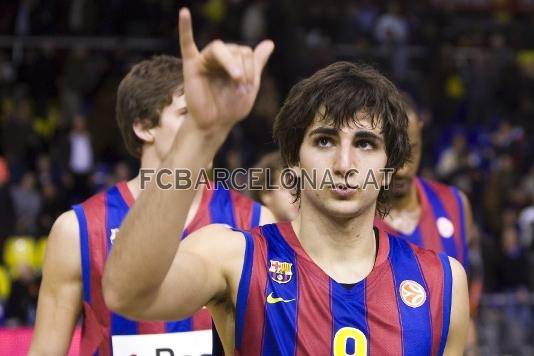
pixel 468 64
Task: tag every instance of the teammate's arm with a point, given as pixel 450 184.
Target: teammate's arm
pixel 60 295
pixel 459 311
pixel 145 265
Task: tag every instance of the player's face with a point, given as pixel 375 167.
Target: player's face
pixel 354 156
pixel 403 179
pixel 171 119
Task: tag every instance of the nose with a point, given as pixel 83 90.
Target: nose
pixel 343 160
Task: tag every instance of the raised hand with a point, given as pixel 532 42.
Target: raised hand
pixel 221 81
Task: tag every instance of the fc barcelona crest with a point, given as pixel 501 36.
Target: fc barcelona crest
pixel 280 271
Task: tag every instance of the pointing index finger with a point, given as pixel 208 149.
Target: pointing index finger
pixel 187 42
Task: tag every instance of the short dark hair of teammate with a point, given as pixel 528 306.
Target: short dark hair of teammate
pixel 339 92
pixel 143 93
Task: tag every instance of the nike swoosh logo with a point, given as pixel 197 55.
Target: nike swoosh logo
pixel 273 300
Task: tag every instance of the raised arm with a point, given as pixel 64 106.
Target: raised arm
pixel 60 295
pixel 146 263
pixel 459 322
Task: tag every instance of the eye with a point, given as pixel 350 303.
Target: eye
pixel 365 144
pixel 323 142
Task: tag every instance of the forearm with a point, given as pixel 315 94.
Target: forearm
pixel 150 234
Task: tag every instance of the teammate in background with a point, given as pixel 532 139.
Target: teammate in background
pixel 433 215
pixel 151 108
pixel 325 283
pixel 279 201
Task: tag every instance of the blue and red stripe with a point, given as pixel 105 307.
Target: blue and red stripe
pixel 415 323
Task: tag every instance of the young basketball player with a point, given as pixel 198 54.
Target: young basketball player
pixel 151 108
pixel 326 283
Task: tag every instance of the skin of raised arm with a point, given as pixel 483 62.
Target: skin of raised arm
pixel 147 262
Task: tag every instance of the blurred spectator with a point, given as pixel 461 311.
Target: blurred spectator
pixel 54 202
pixel 392 27
pixel 27 202
pixel 514 278
pixel 22 303
pixel 18 138
pixel 453 159
pixel 80 157
pixel 526 227
pixel 7 210
pixel 514 273
pixel 506 137
pixel 253 26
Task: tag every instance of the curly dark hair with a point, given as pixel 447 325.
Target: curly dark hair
pixel 340 92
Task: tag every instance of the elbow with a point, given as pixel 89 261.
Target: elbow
pixel 116 300
pixel 124 301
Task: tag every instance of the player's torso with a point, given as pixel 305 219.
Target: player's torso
pixel 100 218
pixel 287 305
pixel 441 225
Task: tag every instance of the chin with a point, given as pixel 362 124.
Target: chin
pixel 344 209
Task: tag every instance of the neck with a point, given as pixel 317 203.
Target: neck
pixel 344 248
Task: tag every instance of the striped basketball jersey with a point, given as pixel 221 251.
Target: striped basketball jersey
pixel 287 305
pixel 99 219
pixel 441 225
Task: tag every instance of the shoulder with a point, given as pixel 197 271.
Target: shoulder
pixel 435 185
pixel 440 187
pixel 459 275
pixel 65 227
pixel 63 245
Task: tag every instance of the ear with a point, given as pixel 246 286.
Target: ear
pixel 142 131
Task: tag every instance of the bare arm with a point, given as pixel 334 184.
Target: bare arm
pixel 60 295
pixel 459 311
pixel 221 84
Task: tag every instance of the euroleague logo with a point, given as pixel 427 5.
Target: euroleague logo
pixel 412 293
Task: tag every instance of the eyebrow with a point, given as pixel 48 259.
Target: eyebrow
pixel 363 134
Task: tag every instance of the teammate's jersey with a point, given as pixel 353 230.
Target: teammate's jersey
pixel 441 225
pixel 99 219
pixel 287 305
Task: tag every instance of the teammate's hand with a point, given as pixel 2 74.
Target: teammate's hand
pixel 222 81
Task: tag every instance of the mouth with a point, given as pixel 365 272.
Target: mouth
pixel 401 182
pixel 400 186
pixel 344 190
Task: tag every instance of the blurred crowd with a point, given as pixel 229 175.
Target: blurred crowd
pixel 470 71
